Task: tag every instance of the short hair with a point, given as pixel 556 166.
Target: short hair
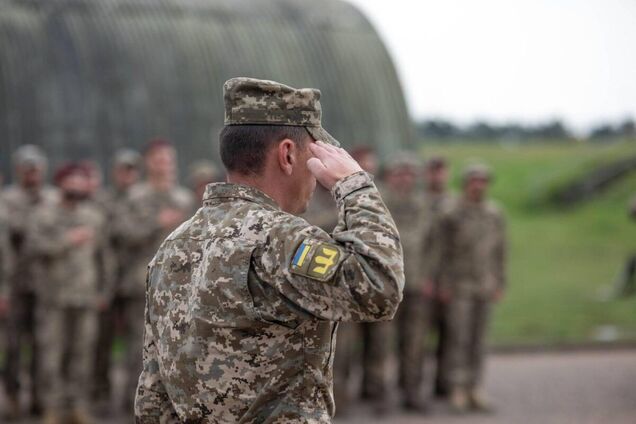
pixel 243 147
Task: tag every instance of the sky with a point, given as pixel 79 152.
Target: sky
pixel 517 60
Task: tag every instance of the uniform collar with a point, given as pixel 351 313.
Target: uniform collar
pixel 237 191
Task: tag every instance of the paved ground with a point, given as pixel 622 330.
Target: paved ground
pixel 555 388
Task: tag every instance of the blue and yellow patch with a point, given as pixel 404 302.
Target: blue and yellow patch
pixel 316 260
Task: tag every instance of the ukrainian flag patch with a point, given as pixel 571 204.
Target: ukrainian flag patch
pixel 317 260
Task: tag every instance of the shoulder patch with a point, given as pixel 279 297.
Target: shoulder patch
pixel 316 259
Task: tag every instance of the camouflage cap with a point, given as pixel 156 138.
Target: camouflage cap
pixel 250 101
pixel 403 159
pixel 29 155
pixel 127 157
pixel 476 170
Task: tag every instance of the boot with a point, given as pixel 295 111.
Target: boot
pixel 52 417
pixel 479 402
pixel 80 416
pixel 459 400
pixel 13 412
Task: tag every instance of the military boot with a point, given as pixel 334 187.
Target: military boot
pixel 479 402
pixel 459 400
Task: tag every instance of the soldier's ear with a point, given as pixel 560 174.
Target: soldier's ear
pixel 287 156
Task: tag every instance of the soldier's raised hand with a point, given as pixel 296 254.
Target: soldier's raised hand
pixel 331 164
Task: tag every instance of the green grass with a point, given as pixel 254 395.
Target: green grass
pixel 560 260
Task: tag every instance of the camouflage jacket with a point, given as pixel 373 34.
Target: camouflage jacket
pixel 473 249
pixel 20 205
pixel 435 205
pixel 75 275
pixel 137 231
pixel 407 211
pixel 243 301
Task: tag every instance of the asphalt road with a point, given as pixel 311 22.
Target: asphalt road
pixel 555 388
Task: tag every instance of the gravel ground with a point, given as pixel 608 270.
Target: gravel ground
pixel 563 388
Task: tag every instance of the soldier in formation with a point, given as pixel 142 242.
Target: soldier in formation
pixel 69 238
pixel 152 210
pixel 471 278
pixel 20 201
pixel 244 299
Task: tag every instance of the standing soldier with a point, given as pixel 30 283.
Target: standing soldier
pixel 5 263
pixel 69 237
pixel 153 210
pixel 20 200
pixel 405 203
pixel 437 199
pixel 626 283
pixel 244 299
pixel 473 245
pixel 125 174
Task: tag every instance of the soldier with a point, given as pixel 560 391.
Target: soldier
pixel 406 206
pixel 202 173
pixel 125 173
pixel 20 200
pixel 243 300
pixel 69 237
pixel 626 283
pixel 437 199
pixel 5 262
pixel 473 245
pixel 153 209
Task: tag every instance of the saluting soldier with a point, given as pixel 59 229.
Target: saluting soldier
pixel 69 238
pixel 152 210
pixel 21 199
pixel 473 246
pixel 244 299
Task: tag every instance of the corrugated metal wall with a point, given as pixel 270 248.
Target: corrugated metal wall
pixel 82 78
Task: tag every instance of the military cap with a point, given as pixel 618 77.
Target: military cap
pixel 127 157
pixel 29 155
pixel 250 101
pixel 476 170
pixel 68 169
pixel 203 170
pixel 403 160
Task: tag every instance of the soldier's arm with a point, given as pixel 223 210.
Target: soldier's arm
pixel 356 275
pixel 106 264
pixel 443 245
pixel 152 404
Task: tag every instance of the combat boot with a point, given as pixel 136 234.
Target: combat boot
pixel 479 402
pixel 459 400
pixel 52 417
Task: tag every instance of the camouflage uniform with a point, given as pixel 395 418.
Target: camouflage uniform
pixel 138 235
pixel 5 253
pixel 77 277
pixel 20 204
pixel 243 300
pixel 473 246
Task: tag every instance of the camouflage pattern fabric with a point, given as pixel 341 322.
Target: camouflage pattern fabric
pixel 5 252
pixel 26 275
pixel 78 276
pixel 262 102
pixel 238 329
pixel 473 245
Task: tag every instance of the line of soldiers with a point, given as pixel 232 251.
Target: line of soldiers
pixel 73 261
pixel 454 261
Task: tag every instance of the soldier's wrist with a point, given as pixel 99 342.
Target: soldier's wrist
pixel 350 184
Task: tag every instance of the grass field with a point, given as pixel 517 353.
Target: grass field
pixel 561 261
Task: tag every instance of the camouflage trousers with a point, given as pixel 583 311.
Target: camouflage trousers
pixel 125 315
pixel 21 332
pixel 378 340
pixel 347 344
pixel 411 329
pixel 467 319
pixel 67 336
